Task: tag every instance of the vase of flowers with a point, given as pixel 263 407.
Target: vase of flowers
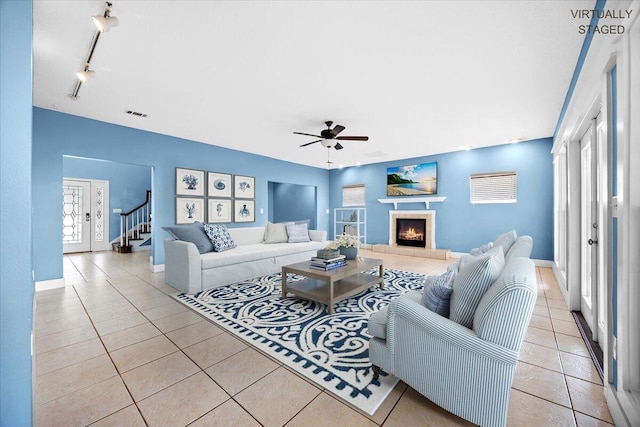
pixel 347 245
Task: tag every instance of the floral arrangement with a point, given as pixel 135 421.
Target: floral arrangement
pixel 346 241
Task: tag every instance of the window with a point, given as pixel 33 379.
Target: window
pixel 560 208
pixel 353 195
pixel 494 187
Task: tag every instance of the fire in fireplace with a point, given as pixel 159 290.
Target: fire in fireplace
pixel 411 232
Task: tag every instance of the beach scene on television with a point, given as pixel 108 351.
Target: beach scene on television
pixel 413 180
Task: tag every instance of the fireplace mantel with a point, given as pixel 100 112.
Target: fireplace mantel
pixel 425 200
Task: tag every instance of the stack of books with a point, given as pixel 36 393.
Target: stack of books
pixel 327 264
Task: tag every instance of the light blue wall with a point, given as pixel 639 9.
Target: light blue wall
pixel 16 285
pixel 128 184
pixel 460 225
pixel 56 135
pixel 292 202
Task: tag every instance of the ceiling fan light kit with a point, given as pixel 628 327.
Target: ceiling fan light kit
pixel 329 139
pixel 329 136
pixel 103 23
pixel 331 144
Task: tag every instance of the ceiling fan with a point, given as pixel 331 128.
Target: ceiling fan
pixel 329 137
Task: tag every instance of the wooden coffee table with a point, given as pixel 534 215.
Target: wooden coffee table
pixel 329 287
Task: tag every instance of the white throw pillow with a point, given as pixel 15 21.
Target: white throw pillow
pixel 276 233
pixel 298 233
pixel 506 240
pixel 482 249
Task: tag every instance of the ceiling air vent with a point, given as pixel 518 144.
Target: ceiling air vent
pixel 135 113
pixel 374 154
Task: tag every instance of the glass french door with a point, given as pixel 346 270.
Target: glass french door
pixel 588 229
pixel 85 223
pixel 591 303
pixel 76 216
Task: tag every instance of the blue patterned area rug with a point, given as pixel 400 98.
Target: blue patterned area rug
pixel 330 350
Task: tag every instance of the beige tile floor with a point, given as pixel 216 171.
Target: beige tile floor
pixel 113 349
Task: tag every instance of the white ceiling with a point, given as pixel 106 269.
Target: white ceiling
pixel 417 77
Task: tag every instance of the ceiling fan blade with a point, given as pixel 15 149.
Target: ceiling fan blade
pixel 307 134
pixel 309 143
pixel 336 130
pixel 338 146
pixel 353 138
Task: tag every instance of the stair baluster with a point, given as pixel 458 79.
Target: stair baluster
pixel 134 223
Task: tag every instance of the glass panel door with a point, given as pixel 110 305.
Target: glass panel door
pixel 589 231
pixel 76 216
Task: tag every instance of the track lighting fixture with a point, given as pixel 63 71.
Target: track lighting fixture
pixel 86 74
pixel 103 23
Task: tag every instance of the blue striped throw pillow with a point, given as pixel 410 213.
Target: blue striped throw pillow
pixel 437 293
pixel 471 283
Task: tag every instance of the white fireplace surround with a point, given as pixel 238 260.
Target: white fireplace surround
pixel 430 229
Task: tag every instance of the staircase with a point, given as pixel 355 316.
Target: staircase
pixel 135 229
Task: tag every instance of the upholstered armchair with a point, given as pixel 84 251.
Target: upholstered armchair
pixel 467 371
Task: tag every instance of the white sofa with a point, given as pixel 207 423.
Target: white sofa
pixel 190 271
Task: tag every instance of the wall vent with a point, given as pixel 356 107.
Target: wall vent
pixel 135 113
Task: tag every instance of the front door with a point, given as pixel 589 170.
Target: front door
pixel 76 216
pixel 85 221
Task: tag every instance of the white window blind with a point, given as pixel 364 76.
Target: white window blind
pixel 353 195
pixel 494 187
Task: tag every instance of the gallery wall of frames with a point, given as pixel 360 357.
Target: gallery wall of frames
pixel 214 197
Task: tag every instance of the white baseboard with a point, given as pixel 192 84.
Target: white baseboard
pixel 560 276
pixel 45 285
pixel 542 263
pixel 157 268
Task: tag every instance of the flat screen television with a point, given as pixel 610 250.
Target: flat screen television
pixel 413 180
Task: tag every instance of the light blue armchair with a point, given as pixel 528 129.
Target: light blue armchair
pixel 468 372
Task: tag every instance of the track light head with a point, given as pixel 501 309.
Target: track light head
pixel 85 75
pixel 105 23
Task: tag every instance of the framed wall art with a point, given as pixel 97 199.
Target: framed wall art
pixel 189 182
pixel 413 180
pixel 244 211
pixel 189 209
pixel 244 187
pixel 219 210
pixel 219 184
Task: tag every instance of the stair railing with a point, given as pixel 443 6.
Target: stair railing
pixel 135 222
